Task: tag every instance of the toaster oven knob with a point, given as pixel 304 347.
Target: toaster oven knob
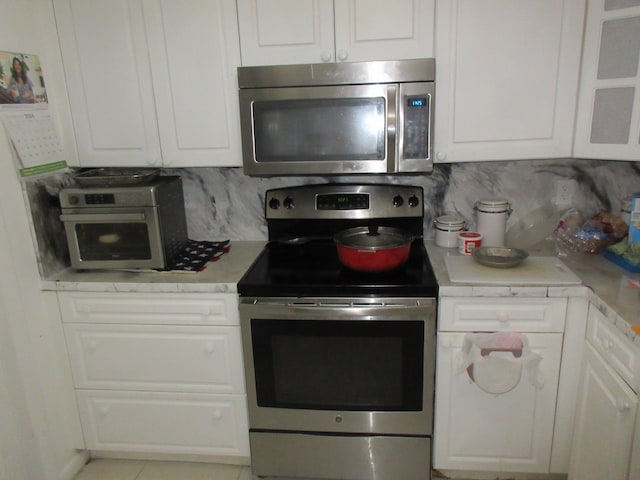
pixel 413 201
pixel 398 201
pixel 288 202
pixel 274 203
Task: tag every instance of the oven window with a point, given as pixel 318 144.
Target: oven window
pixel 339 365
pixel 320 130
pixel 113 241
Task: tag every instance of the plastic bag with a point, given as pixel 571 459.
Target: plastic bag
pixel 575 234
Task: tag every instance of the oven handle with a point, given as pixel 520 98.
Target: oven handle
pixel 103 217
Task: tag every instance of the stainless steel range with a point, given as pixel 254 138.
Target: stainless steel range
pixel 339 362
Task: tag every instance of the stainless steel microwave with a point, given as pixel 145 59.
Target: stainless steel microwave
pixel 337 118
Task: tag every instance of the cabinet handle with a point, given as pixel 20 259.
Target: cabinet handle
pixel 623 406
pixel 217 415
pixel 442 156
pixel 103 411
pixel 325 56
pixel 503 317
pixel 206 310
pixel 342 55
pixel 607 344
pixel 209 348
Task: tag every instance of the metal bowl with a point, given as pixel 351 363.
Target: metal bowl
pixel 499 257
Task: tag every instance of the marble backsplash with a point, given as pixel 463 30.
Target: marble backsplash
pixel 223 203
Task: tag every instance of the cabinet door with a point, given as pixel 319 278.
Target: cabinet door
pixel 278 32
pixel 109 83
pixel 383 29
pixel 608 122
pixel 194 52
pixel 604 423
pixel 169 423
pixel 159 358
pixel 506 79
pixel 508 432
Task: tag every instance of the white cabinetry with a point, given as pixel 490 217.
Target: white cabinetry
pixel 152 82
pixel 608 121
pixel 158 373
pixel 497 432
pixel 506 78
pixel 607 407
pixel 276 32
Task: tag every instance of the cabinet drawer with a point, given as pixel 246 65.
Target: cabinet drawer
pixel 164 422
pixel 161 358
pixel 619 352
pixel 150 308
pixel 510 313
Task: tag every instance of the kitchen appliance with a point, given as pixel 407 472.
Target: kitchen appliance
pixel 125 225
pixel 337 118
pixel 339 362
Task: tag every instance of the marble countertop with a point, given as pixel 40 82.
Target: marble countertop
pixel 607 283
pixel 604 283
pixel 218 277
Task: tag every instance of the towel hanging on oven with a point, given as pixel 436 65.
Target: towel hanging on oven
pixel 494 361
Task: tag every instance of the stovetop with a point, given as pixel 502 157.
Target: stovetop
pixel 313 269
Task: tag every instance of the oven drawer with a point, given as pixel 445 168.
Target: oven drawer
pixel 164 422
pixel 159 358
pixel 524 314
pixel 149 308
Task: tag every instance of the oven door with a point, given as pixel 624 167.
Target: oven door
pixel 114 238
pixel 319 130
pixel 339 365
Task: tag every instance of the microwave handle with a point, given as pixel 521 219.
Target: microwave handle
pixel 102 217
pixel 392 133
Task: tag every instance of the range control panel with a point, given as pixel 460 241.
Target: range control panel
pixel 344 201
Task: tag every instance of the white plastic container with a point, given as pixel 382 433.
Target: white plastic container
pixel 447 229
pixel 467 241
pixel 491 216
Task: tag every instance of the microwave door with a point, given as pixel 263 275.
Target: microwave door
pixel 319 130
pixel 415 123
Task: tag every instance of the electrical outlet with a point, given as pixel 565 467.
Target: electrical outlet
pixel 565 191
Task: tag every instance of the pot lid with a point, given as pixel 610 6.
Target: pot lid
pixel 372 238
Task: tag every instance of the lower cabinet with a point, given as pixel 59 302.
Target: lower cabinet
pixel 606 419
pixel 158 373
pixel 495 404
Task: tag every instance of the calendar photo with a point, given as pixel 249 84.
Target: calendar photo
pixel 21 81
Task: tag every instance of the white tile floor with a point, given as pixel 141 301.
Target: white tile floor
pixel 102 469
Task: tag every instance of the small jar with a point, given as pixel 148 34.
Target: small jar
pixel 492 217
pixel 467 241
pixel 447 229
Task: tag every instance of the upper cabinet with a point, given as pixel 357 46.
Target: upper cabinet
pixel 276 32
pixel 506 78
pixel 608 122
pixel 152 82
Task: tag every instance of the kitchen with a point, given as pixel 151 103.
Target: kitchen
pixel 222 203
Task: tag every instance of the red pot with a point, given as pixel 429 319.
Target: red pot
pixel 373 249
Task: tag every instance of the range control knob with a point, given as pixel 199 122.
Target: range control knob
pixel 274 203
pixel 74 200
pixel 413 201
pixel 398 201
pixel 288 202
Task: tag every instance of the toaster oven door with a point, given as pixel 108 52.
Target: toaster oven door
pixel 114 238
